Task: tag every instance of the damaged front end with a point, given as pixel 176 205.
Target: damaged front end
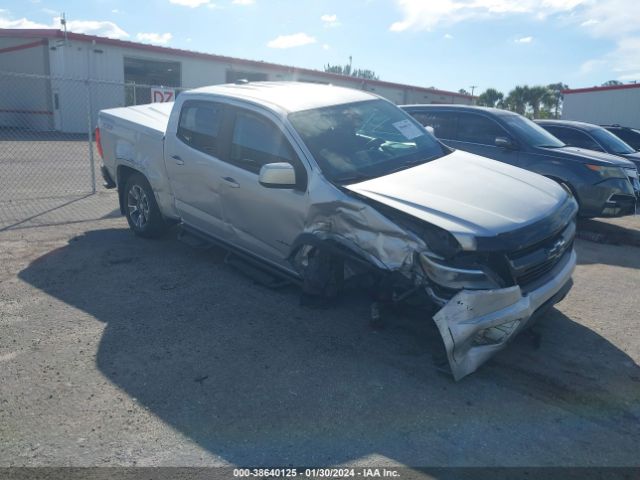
pixel 482 299
pixel 475 324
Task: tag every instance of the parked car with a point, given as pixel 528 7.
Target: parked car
pixel 592 137
pixel 327 185
pixel 631 136
pixel 599 181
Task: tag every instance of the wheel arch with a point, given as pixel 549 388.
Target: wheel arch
pixel 123 173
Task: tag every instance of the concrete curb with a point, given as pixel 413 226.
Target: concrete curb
pixel 612 232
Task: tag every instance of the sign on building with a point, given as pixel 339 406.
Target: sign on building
pixel 162 94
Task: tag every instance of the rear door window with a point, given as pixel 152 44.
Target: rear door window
pixel 473 128
pixel 443 123
pixel 199 126
pixel 632 137
pixel 574 138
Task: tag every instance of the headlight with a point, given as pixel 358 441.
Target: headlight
pixel 455 278
pixel 607 172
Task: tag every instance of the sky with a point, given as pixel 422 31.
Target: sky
pixel 447 44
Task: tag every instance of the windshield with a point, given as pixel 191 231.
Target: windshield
pixel 530 133
pixel 611 143
pixel 355 141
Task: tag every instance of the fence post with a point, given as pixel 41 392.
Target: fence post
pixel 90 137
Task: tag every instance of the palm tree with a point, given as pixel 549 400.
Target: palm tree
pixel 534 96
pixel 490 98
pixel 553 100
pixel 517 99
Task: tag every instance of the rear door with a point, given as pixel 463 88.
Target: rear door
pixel 265 221
pixel 193 161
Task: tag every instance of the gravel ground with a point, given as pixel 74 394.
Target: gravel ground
pixel 120 351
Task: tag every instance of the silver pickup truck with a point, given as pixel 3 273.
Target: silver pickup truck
pixel 331 186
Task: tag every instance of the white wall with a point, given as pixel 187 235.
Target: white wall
pixel 24 101
pixel 71 63
pixel 604 107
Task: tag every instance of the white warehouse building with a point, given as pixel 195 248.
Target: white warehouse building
pixel 52 80
pixel 616 104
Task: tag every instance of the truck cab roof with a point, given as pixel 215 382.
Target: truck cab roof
pixel 287 96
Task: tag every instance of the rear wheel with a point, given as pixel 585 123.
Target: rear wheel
pixel 141 208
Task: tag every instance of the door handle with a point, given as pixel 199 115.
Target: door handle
pixel 231 182
pixel 178 160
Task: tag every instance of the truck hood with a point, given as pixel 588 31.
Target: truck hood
pixel 467 195
pixel 585 156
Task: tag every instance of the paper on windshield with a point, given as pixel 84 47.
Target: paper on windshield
pixel 408 129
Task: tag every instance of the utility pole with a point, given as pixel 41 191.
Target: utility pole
pixel 63 23
pixel 472 87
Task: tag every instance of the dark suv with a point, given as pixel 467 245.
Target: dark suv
pixel 631 136
pixel 599 181
pixel 593 137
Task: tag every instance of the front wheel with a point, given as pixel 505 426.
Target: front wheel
pixel 141 208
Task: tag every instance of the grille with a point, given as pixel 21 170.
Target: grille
pixel 532 274
pixel 534 262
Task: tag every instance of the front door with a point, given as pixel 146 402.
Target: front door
pixel 477 134
pixel 265 221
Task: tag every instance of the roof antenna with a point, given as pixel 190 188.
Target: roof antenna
pixel 63 23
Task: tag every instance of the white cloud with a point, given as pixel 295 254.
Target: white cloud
pixel 326 46
pixel 96 27
pixel 447 36
pixel 189 3
pixel 91 27
pixel 157 38
pixel 524 40
pixel 588 23
pixel 613 20
pixel 22 23
pixel 422 15
pixel 330 20
pixel 243 2
pixel 289 41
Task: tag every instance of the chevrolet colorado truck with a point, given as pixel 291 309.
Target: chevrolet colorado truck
pixel 325 185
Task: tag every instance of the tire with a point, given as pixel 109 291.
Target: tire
pixel 141 208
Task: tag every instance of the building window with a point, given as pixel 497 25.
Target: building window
pixel 141 74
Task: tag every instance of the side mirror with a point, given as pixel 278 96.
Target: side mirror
pixel 506 143
pixel 277 175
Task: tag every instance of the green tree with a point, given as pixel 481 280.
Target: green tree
pixel 517 99
pixel 351 72
pixel 534 97
pixel 490 98
pixel 611 83
pixel 553 100
pixel 463 92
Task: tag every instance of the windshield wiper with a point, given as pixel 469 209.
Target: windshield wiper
pixel 552 146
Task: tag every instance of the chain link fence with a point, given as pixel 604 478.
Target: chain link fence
pixel 48 158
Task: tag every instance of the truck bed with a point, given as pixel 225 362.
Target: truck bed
pixel 151 118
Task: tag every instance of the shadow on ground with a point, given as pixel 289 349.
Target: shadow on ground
pixel 256 379
pixel 608 232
